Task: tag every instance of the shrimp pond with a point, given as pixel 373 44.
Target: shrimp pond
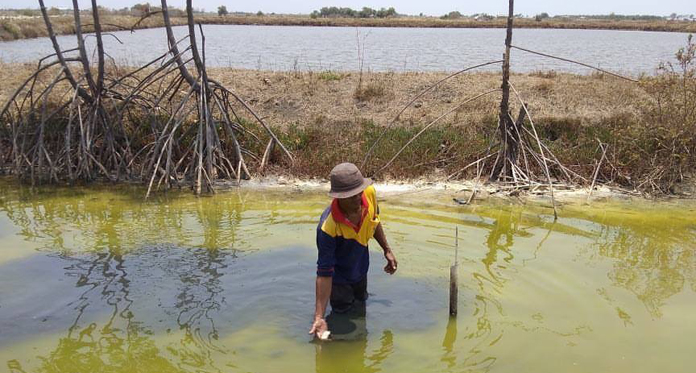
pixel 96 279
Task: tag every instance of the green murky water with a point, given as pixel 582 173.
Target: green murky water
pixel 97 280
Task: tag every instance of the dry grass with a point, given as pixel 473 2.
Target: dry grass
pixel 287 98
pixel 20 28
pixel 32 27
pixel 290 97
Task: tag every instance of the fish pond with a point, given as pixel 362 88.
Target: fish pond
pixel 97 279
pixel 294 48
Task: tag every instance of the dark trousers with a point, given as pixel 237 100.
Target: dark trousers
pixel 344 297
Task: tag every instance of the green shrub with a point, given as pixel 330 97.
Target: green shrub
pixel 12 29
pixel 330 76
pixel 668 131
pixel 370 91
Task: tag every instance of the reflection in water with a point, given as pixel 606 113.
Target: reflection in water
pixel 347 350
pixel 199 298
pixel 171 285
pixel 652 261
pixel 121 343
pixel 72 221
pixel 500 239
pixel 653 257
pixel 449 357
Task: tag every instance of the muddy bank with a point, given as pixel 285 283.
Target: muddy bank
pixel 467 192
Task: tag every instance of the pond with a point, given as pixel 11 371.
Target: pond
pixel 96 279
pixel 290 48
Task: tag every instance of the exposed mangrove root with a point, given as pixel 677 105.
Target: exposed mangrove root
pixel 522 160
pixel 160 123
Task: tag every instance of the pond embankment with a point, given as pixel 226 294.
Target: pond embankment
pixel 15 28
pixel 328 117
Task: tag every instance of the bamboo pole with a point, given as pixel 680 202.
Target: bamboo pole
pixel 454 288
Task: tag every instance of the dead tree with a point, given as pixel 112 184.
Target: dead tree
pixel 522 160
pixel 507 129
pixel 160 123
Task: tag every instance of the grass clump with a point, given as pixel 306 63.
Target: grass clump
pixel 546 74
pixel 370 92
pixel 10 30
pixel 330 76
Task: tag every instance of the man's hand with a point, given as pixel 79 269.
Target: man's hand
pixel 390 268
pixel 319 327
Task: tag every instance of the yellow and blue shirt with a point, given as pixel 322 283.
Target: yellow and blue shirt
pixel 342 246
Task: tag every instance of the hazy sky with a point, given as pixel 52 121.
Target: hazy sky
pixel 431 7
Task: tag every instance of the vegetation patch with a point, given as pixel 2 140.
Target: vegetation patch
pixel 330 76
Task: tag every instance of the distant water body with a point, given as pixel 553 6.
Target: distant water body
pixel 385 49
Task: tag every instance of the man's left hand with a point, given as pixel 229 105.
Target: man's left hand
pixel 390 268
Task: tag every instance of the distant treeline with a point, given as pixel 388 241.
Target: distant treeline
pixel 366 12
pixel 141 9
pixel 612 16
pixel 27 23
pixel 137 10
pixel 542 16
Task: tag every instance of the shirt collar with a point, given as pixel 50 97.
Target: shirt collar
pixel 339 217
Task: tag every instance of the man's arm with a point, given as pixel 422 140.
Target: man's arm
pixel 323 293
pixel 326 245
pixel 388 254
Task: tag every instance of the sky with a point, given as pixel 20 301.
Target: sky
pixel 413 7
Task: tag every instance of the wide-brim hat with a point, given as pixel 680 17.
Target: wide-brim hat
pixel 347 181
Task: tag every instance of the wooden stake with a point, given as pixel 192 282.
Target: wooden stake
pixel 509 143
pixel 454 289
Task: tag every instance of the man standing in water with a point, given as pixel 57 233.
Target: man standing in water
pixel 344 230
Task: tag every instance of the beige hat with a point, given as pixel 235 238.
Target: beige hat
pixel 347 181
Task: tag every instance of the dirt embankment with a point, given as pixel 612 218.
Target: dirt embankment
pixel 304 98
pixel 14 28
pixel 328 117
pixel 288 98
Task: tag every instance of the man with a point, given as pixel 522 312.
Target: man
pixel 343 232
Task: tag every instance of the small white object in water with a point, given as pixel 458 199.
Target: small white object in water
pixel 324 335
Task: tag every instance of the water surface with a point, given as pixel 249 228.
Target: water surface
pixel 385 49
pixel 98 280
